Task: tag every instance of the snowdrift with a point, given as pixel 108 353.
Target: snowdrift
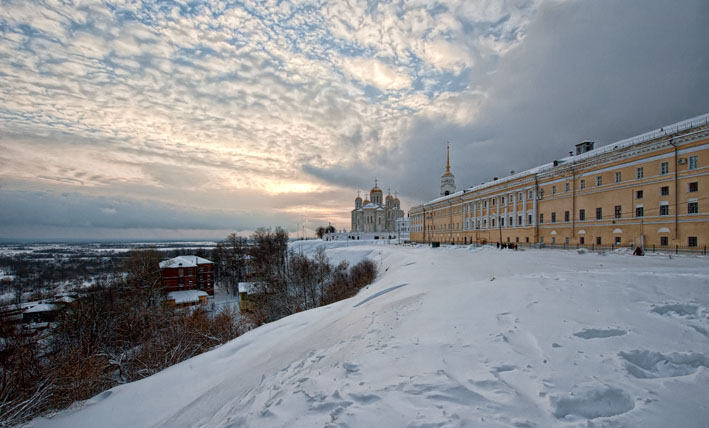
pixel 454 337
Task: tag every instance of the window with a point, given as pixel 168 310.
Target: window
pixel 566 240
pixel 553 217
pixel 541 193
pixel 485 203
pixel 541 218
pixel 599 181
pixel 582 240
pixel 519 221
pixel 617 240
pixel 664 241
pixel 598 240
pixel 639 212
pixel 566 216
pixel 553 190
pixel 639 173
pixel 566 187
pixel 502 200
pixel 639 194
pixel 693 187
pixel 664 209
pixel 493 222
pixel 617 177
pixel 493 201
pixel 692 241
pixel 529 219
pixel 618 211
pixel 692 208
pixel 511 223
pixel 530 194
pixel 582 184
pixel 553 239
pixel 664 190
pixel 599 213
pixel 526 239
pixel 582 215
pixel 519 197
pixel 664 168
pixel 693 162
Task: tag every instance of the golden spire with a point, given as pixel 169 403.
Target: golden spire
pixel 448 158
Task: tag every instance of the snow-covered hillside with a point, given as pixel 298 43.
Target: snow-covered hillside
pixel 455 337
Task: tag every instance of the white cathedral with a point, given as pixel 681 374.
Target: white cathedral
pixel 377 215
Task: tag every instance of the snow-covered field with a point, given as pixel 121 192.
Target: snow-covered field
pixel 455 337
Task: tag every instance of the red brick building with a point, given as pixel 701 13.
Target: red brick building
pixel 187 273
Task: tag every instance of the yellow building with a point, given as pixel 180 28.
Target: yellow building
pixel 650 190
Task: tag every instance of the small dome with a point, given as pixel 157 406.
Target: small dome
pixel 366 201
pixel 396 198
pixel 375 189
pixel 388 197
pixel 358 198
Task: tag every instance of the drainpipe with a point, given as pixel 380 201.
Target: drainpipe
pixel 673 144
pixel 424 223
pixel 536 209
pixel 573 202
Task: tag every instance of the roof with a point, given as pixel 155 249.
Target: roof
pixel 42 307
pixel 184 261
pixel 64 299
pixel 248 287
pixel 186 296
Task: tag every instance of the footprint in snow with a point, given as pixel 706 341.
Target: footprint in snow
pixel 596 333
pixel 350 367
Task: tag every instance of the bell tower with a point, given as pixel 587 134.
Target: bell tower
pixel 448 179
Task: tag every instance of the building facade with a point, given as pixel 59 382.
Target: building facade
pixel 377 215
pixel 187 273
pixel 649 190
pixel 403 229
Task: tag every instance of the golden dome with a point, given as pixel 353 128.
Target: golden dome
pixel 375 189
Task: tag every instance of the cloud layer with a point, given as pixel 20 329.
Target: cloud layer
pixel 215 117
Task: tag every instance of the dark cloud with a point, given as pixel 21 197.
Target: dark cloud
pixel 600 70
pixel 23 213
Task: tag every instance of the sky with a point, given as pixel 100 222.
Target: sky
pixel 190 120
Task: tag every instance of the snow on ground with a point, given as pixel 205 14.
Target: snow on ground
pixel 454 337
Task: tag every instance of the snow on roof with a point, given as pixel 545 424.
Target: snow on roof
pixel 184 261
pixel 42 307
pixel 247 287
pixel 186 296
pixel 628 142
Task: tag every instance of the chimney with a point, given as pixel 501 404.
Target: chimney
pixel 584 146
